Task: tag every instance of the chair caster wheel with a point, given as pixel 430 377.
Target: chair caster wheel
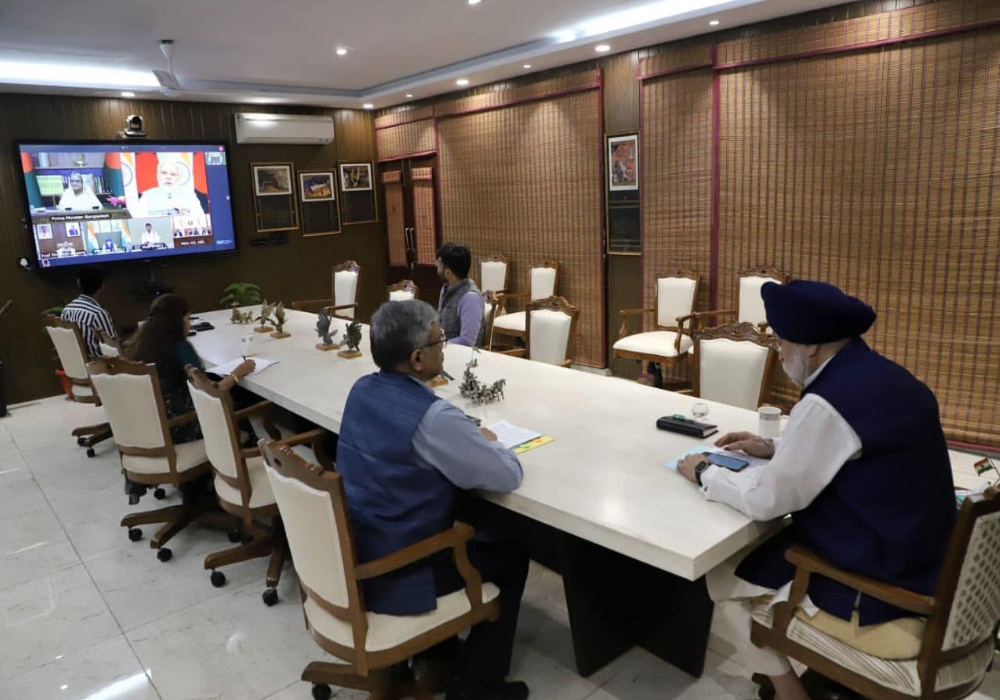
pixel 80 441
pixel 159 494
pixel 235 536
pixel 90 452
pixel 270 597
pixel 134 534
pixel 321 691
pixel 164 554
pixel 218 579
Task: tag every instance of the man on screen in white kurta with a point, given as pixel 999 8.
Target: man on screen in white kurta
pixel 77 197
pixel 862 467
pixel 171 196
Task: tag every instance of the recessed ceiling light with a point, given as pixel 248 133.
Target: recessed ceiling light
pixel 341 52
pixel 474 2
pixel 128 94
pixel 461 81
pixel 714 23
pixel 527 65
pixel 368 105
pixel 409 95
pixel 601 48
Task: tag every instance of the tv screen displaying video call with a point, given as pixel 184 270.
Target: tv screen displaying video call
pixel 126 200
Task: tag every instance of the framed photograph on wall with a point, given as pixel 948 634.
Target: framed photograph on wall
pixel 623 162
pixel 316 187
pixel 317 200
pixel 274 197
pixel 355 176
pixel 272 180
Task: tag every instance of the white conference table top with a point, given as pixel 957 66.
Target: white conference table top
pixel 603 477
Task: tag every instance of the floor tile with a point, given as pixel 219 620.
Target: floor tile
pixel 108 669
pixel 54 615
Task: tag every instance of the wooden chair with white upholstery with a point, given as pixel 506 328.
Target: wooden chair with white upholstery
pixel 962 617
pixel 733 364
pixel 551 329
pixel 72 352
pixel 241 484
pixel 314 511
pixel 749 303
pixel 673 306
pixel 543 281
pixel 133 403
pixel 111 346
pixel 404 290
pixel 494 278
pixel 344 281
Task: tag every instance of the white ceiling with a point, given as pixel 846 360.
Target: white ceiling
pixel 283 51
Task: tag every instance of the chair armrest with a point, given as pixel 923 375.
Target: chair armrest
pixel 262 409
pixel 696 316
pixel 516 352
pixel 453 537
pixel 311 304
pixel 686 392
pixel 182 419
pixel 810 562
pixel 332 310
pixel 523 297
pixel 565 363
pixel 623 331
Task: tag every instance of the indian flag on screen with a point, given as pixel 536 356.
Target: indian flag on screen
pixel 92 237
pixel 126 238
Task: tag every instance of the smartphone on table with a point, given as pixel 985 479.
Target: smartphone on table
pixel 733 464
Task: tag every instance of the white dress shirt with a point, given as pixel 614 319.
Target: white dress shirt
pixel 817 442
pixel 160 201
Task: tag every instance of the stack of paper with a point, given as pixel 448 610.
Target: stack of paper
pixel 510 436
pixel 227 368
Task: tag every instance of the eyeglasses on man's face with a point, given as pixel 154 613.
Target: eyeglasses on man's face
pixel 443 341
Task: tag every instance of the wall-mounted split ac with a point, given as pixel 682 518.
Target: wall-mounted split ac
pixel 283 128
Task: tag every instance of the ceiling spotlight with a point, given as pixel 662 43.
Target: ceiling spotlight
pixel 128 94
pixel 714 23
pixel 527 65
pixel 341 52
pixel 368 105
pixel 461 81
pixel 475 2
pixel 602 48
pixel 409 95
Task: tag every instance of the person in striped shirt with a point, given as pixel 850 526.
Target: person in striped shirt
pixel 87 313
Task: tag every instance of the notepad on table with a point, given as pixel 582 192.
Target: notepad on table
pixel 510 436
pixel 226 368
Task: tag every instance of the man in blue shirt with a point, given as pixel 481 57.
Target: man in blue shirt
pixel 406 456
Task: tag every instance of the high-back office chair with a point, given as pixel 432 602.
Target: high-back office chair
pixel 749 303
pixel 344 288
pixel 72 352
pixel 404 290
pixel 673 305
pixel 551 329
pixel 314 510
pixel 132 400
pixel 494 277
pixel 733 364
pixel 241 485
pixel 543 280
pixel 962 617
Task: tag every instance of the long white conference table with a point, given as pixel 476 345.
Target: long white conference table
pixel 632 538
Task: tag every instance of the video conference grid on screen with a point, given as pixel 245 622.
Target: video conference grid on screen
pixel 125 201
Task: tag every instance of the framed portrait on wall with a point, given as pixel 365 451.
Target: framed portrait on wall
pixel 318 202
pixel 623 162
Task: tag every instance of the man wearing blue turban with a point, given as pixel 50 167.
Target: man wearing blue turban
pixel 862 467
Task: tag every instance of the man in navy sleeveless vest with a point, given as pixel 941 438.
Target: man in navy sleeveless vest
pixel 461 304
pixel 405 457
pixel 863 467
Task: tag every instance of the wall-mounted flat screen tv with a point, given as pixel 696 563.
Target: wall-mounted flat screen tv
pixel 105 201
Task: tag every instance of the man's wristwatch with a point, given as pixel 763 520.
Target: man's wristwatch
pixel 699 470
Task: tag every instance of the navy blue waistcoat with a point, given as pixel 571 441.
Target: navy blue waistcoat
pixel 887 514
pixel 393 502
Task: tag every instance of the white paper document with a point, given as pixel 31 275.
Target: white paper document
pixel 510 435
pixel 227 368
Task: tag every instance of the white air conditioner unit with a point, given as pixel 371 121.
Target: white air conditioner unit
pixel 283 128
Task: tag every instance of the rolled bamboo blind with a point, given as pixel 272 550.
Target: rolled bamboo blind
pixel 877 171
pixel 392 186
pixel 423 210
pixel 525 181
pixel 405 140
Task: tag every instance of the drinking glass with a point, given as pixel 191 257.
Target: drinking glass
pixel 699 409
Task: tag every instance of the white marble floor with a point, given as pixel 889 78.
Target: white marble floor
pixel 87 615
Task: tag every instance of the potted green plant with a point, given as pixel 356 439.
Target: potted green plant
pixel 240 294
